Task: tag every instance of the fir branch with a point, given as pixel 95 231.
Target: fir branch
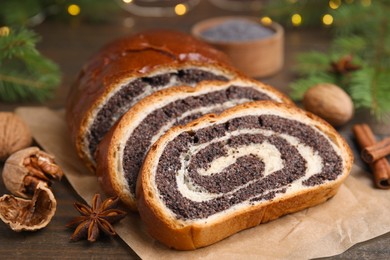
pixel 360 88
pixel 312 62
pixel 383 91
pixel 353 44
pixel 17 44
pixel 24 73
pixel 358 19
pixel 299 87
pixel 19 81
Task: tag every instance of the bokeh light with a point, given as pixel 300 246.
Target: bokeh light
pixel 180 9
pixel 266 20
pixel 327 19
pixel 4 31
pixel 296 19
pixel 334 4
pixel 73 9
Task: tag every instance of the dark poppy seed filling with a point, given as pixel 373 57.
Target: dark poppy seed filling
pixel 226 180
pixel 128 95
pixel 196 179
pixel 172 114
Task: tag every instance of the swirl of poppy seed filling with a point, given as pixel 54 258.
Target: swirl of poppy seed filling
pixel 129 94
pixel 151 127
pixel 194 185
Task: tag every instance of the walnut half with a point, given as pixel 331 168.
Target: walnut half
pixel 22 214
pixel 25 169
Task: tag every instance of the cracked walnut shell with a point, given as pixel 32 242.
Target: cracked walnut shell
pixel 25 169
pixel 15 134
pixel 30 215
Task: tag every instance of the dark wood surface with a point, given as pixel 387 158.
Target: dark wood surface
pixel 70 44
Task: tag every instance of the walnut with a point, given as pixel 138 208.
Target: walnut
pixel 329 102
pixel 25 169
pixel 22 214
pixel 15 134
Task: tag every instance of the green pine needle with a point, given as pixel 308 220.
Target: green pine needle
pixel 353 44
pixel 24 73
pixel 360 88
pixel 371 90
pixel 17 44
pixel 382 92
pixel 311 62
pixel 299 87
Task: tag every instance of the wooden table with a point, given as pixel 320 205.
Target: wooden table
pixel 70 44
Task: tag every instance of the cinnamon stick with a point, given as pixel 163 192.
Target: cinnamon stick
pixel 381 167
pixel 376 151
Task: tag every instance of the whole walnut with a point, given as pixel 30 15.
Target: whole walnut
pixel 329 102
pixel 15 134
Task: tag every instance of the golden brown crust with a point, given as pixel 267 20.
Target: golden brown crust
pixel 133 57
pixel 110 185
pixel 106 170
pixel 186 237
pixel 104 179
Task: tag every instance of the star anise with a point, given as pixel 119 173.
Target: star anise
pixel 97 218
pixel 344 65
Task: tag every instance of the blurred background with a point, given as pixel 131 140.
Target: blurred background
pixel 44 43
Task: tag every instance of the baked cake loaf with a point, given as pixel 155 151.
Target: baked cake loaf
pixel 120 154
pixel 251 164
pixel 129 69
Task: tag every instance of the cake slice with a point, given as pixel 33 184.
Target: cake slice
pixel 121 153
pixel 253 163
pixel 129 69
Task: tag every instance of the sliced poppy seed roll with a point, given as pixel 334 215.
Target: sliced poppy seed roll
pixel 251 164
pixel 129 69
pixel 121 153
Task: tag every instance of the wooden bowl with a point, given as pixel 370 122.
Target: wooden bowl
pixel 257 58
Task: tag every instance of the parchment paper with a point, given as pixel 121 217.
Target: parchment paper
pixel 357 213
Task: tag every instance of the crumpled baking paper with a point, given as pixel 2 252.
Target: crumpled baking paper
pixel 357 213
